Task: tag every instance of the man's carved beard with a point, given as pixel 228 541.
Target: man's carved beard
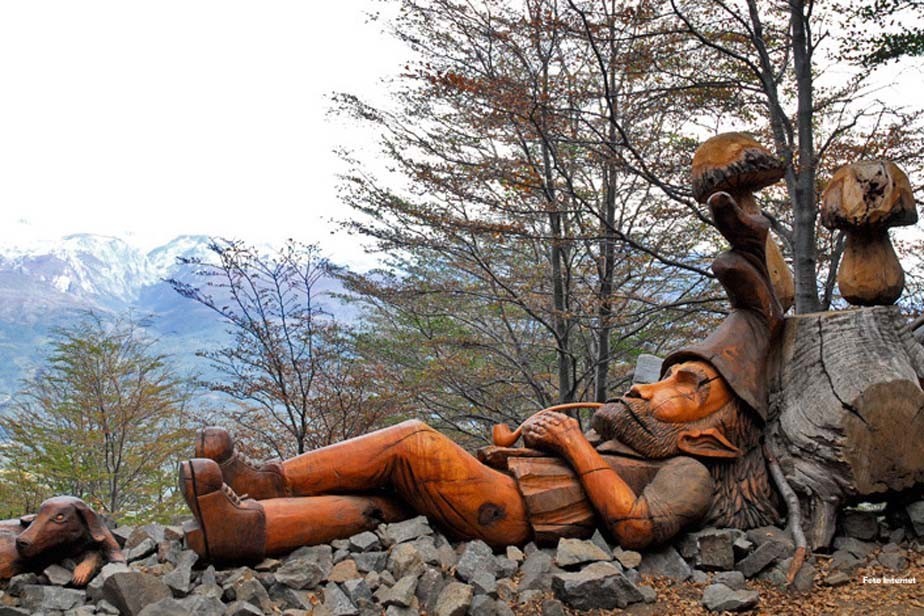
pixel 631 422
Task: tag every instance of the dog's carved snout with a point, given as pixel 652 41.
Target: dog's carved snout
pixel 22 544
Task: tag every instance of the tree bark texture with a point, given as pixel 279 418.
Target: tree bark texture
pixel 846 416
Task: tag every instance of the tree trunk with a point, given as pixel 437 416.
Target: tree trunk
pixel 804 209
pixel 846 419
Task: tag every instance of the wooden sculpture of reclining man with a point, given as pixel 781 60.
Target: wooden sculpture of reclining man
pixel 684 451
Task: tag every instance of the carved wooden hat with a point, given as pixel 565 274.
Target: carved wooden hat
pixel 738 351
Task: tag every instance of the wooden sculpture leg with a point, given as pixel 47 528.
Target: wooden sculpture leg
pixel 310 520
pixel 428 471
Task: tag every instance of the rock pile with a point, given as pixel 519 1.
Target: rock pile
pixel 408 568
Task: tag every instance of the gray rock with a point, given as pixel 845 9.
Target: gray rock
pixel 837 578
pixel 530 596
pixel 860 549
pixel 647 368
pixel 804 580
pixel 453 600
pixel 742 547
pixel 357 591
pixel 401 594
pixel 505 566
pixel 180 579
pixel 426 546
pixel 18 582
pixel 649 594
pixel 574 552
pixel 40 598
pixel 337 602
pixel 208 576
pixel 131 591
pixel 448 556
pixel 630 559
pixel 139 535
pixel 173 533
pixel 169 552
pixel 144 549
pixel 552 607
pixel 688 546
pixel 370 561
pixel 515 554
pixel 721 598
pixel 122 533
pixel 267 564
pixel 405 559
pixel 732 579
pixel 343 571
pixel 665 562
pixel 895 561
pixel 716 550
pixel 600 585
pixel 321 554
pixel 366 541
pixel 340 544
pixel 600 541
pixel 242 608
pixel 387 578
pixel 507 590
pixel 763 556
pixel 58 575
pixel 246 587
pixel 699 577
pixel 300 573
pixel 104 607
pixel 83 610
pixel 429 586
pixel 408 530
pixel 483 605
pixel 9 610
pixel 394 610
pixel 536 572
pixel 915 513
pixel 860 524
pixel 477 556
pixel 842 560
pixel 200 606
pixel 484 583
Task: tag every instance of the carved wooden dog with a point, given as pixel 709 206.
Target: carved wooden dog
pixel 64 527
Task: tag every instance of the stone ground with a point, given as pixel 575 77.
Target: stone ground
pixel 409 568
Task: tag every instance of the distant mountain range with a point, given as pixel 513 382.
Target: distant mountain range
pixel 49 285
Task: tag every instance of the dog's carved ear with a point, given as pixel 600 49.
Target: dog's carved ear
pixel 27 519
pixel 97 530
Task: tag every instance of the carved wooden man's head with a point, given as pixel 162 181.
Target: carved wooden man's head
pixel 692 411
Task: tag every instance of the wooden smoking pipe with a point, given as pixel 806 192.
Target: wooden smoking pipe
pixel 503 436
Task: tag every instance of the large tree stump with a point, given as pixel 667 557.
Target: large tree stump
pixel 846 410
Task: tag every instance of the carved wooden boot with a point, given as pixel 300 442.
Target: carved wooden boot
pixel 257 481
pixel 227 528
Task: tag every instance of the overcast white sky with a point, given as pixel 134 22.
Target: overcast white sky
pixel 148 120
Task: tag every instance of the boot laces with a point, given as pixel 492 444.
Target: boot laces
pixel 231 494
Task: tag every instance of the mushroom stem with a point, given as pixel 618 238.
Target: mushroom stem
pixel 780 274
pixel 870 273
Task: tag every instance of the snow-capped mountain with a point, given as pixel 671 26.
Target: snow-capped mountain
pixel 50 284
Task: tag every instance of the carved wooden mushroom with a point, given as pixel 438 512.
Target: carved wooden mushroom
pixel 865 199
pixel 737 164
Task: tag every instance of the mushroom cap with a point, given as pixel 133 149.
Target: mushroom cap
pixel 872 194
pixel 734 163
